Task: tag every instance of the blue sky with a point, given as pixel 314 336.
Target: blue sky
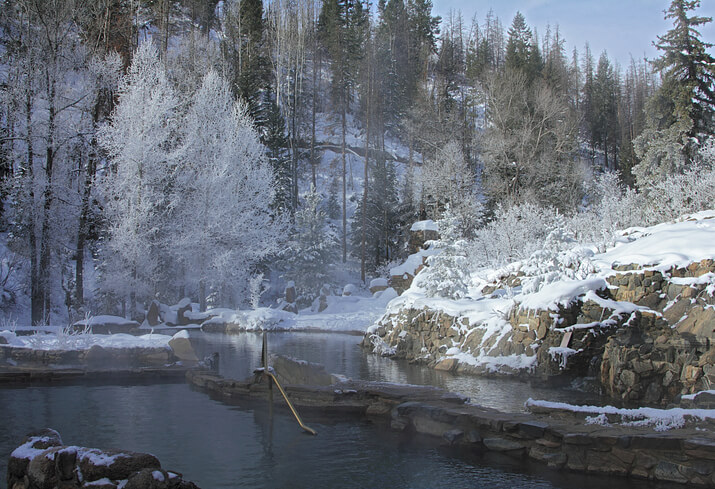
pixel 621 27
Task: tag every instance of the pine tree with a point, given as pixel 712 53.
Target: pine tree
pixel 681 114
pixel 519 45
pixel 381 217
pixel 342 30
pixel 688 69
pixel 312 251
pixel 274 138
pixel 603 122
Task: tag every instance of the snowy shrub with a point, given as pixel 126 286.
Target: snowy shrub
pixel 515 233
pixel 256 288
pixel 611 207
pixel 448 183
pixel 680 194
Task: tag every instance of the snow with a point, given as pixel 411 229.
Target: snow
pixel 692 397
pixel 181 334
pixel 428 225
pixel 105 319
pixel 412 263
pixel 561 354
pixel 84 341
pixel 658 419
pixel 560 293
pixel 378 282
pixel 97 457
pixel 100 482
pixel 665 245
pixel 157 475
pixel 344 314
pixel 27 452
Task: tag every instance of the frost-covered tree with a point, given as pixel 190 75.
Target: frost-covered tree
pixel 222 221
pixel 140 150
pixel 448 181
pixel 448 273
pixel 312 251
pixel 49 89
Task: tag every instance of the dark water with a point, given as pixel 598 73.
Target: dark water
pixel 222 446
pixel 340 353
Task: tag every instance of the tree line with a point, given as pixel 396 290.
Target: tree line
pixel 489 117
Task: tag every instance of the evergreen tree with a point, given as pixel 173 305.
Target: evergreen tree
pixel 522 53
pixel 680 115
pixel 244 47
pixel 687 68
pixel 342 28
pixel 381 217
pixel 603 121
pixel 312 251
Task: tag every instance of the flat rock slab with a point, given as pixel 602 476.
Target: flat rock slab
pixel 29 375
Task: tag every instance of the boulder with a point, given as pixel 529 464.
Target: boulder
pixel 96 464
pixel 378 285
pixel 184 306
pixel 290 371
pixel 290 293
pixel 181 346
pixel 42 462
pixel 152 315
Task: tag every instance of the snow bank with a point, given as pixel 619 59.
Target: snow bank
pixel 658 419
pixel 105 319
pixel 378 282
pixel 428 225
pixel 412 263
pixel 85 341
pixel 665 245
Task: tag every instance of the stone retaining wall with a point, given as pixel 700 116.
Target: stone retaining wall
pixel 558 440
pixel 653 355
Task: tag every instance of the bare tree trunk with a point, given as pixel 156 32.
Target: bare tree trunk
pixel 294 139
pixel 36 289
pixel 202 295
pixel 47 197
pixel 345 189
pixel 363 255
pixel 313 162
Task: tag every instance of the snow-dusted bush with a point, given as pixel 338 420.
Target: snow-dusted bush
pixel 448 183
pixel 515 233
pixel 680 194
pixel 611 206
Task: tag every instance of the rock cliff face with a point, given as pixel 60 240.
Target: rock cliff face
pixel 646 336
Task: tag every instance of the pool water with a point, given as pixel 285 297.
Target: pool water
pixel 249 445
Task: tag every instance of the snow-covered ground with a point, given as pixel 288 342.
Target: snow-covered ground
pixel 344 314
pixel 84 341
pixel 658 419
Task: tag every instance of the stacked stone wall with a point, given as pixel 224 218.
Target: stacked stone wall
pixel 660 349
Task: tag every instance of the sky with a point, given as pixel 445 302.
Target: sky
pixel 623 28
